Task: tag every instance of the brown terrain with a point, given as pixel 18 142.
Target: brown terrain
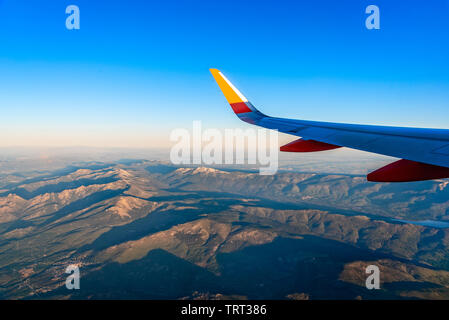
pixel 146 229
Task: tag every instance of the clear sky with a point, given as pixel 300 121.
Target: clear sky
pixel 138 69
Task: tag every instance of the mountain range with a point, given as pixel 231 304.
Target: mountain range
pixel 151 230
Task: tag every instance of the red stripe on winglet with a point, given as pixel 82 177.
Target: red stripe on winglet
pixel 406 171
pixel 301 145
pixel 240 107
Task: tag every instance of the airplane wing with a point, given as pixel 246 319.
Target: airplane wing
pixel 424 152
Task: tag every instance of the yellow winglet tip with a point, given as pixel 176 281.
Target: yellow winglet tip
pixel 214 71
pixel 231 93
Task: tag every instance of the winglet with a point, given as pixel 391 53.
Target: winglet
pixel 235 98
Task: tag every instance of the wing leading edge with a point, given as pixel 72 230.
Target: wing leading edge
pixel 424 153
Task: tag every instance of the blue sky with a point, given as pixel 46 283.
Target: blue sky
pixel 138 69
